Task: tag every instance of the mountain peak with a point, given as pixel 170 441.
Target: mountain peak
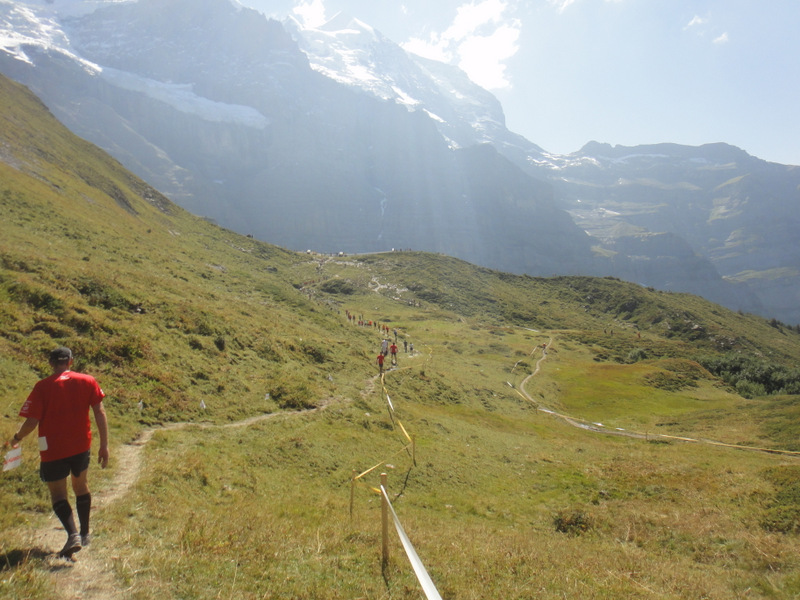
pixel 718 152
pixel 342 22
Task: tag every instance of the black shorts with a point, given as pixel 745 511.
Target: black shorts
pixel 56 470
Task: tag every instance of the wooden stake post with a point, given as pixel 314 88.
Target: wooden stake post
pixel 352 493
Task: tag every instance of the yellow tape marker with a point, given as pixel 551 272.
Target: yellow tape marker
pixel 405 433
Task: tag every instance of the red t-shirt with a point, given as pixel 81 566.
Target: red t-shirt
pixel 380 359
pixel 61 404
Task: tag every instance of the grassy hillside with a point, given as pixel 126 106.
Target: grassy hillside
pixel 264 401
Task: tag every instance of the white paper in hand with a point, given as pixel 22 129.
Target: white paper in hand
pixel 13 459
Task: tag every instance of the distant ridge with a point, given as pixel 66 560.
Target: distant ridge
pixel 343 143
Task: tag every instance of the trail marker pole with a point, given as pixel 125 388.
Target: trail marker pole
pixel 352 492
pixel 384 526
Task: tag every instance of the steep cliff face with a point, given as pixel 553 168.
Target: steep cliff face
pixel 339 141
pixel 664 260
pixel 537 236
pixel 245 132
pixel 739 213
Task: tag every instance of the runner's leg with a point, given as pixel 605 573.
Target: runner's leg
pixel 83 500
pixel 61 506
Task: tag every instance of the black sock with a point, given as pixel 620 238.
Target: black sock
pixel 64 513
pixel 83 505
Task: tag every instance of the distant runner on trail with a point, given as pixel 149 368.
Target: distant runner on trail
pixel 380 363
pixel 393 350
pixel 59 406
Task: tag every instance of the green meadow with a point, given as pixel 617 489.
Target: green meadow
pixel 234 375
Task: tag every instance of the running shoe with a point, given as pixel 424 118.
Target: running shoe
pixel 72 546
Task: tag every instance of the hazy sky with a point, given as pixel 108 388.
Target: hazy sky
pixel 618 71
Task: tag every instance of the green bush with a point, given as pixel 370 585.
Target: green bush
pixel 34 296
pixel 293 389
pixel 338 286
pixel 753 377
pixel 98 293
pixel 636 355
pixel 572 522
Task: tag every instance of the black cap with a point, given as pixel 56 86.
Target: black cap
pixel 61 354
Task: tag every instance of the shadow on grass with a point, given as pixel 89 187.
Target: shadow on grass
pixel 21 557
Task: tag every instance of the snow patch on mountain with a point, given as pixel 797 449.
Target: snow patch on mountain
pixel 355 54
pixel 346 50
pixel 25 26
pixel 182 98
pixel 36 25
pixel 80 8
pixel 433 116
pixel 69 8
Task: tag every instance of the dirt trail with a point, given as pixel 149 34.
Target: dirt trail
pixel 90 576
pixel 600 428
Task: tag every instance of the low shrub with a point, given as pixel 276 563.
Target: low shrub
pixel 572 522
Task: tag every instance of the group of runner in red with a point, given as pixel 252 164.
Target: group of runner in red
pixel 388 347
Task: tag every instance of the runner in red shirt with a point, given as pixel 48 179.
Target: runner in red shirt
pixel 59 406
pixel 393 351
pixel 380 362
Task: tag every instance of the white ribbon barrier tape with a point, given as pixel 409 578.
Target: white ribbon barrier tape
pixel 431 593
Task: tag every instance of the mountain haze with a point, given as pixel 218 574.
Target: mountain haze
pixel 338 140
pixel 736 211
pixel 242 401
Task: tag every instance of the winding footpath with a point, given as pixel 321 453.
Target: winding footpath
pixel 600 428
pixel 91 575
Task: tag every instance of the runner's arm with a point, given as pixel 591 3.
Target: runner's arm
pixel 27 426
pixel 102 428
